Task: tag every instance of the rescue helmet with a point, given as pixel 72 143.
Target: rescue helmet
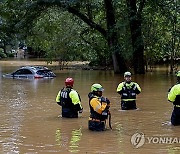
pixel 96 87
pixel 178 74
pixel 69 82
pixel 127 74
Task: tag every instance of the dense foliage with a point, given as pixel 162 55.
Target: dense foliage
pixel 127 34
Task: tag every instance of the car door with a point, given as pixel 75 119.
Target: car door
pixel 23 73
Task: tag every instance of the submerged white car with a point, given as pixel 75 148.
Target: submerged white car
pixel 30 72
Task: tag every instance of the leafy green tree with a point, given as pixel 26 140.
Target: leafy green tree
pixel 85 14
pixel 103 31
pixel 161 28
pixel 10 15
pixel 170 10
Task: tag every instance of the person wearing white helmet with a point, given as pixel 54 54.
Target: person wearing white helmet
pixel 99 108
pixel 174 97
pixel 128 91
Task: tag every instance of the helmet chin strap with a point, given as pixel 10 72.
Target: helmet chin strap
pixel 69 86
pixel 128 81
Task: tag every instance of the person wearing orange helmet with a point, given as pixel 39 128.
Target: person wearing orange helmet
pixel 70 100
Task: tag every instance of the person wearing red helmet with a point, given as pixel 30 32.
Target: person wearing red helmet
pixel 70 100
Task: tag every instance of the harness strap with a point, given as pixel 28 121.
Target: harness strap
pixel 92 119
pixel 177 105
pixel 110 121
pixel 128 100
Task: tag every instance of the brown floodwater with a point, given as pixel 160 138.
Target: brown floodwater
pixel 30 121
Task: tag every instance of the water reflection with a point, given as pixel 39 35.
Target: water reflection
pixel 69 137
pixel 76 137
pixel 38 82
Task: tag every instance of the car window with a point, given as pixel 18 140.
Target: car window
pixel 22 71
pixel 44 72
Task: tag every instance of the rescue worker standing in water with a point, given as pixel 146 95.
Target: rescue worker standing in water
pixel 70 100
pixel 128 91
pixel 99 108
pixel 174 97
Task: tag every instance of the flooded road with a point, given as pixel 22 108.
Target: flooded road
pixel 30 121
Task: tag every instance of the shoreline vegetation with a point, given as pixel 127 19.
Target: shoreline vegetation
pixel 84 65
pixel 73 65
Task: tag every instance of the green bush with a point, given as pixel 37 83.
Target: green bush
pixel 10 55
pixel 2 54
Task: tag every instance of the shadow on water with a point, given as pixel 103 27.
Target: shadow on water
pixel 30 121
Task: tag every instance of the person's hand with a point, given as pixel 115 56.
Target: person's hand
pixel 81 111
pixel 59 103
pixel 107 101
pixel 103 99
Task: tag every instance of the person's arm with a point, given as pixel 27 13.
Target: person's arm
pixel 97 105
pixel 58 98
pixel 119 88
pixel 76 100
pixel 172 94
pixel 138 89
pixel 105 100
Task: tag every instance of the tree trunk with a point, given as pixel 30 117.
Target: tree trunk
pixel 112 39
pixel 172 62
pixel 136 37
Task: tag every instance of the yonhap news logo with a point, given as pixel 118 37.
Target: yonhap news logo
pixel 139 139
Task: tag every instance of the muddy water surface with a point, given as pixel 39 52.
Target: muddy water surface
pixel 30 122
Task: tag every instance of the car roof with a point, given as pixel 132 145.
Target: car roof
pixel 35 68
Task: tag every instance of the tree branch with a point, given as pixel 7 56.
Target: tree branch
pixel 71 9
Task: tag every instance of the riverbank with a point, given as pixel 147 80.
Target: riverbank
pixel 84 65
